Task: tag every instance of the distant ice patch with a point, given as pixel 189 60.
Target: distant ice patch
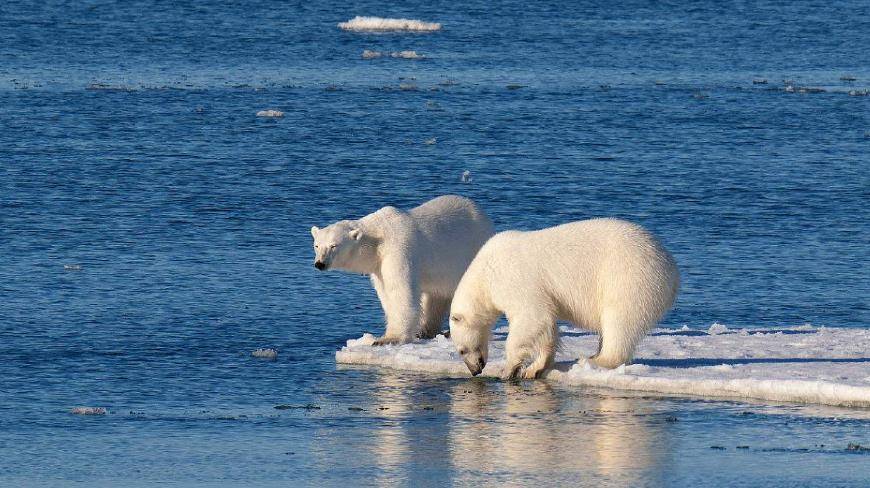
pixel 369 54
pixel 820 365
pixel 406 55
pixel 380 24
pixel 270 113
pixel 88 411
pixel 265 353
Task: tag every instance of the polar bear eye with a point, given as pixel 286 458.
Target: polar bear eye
pixel 332 246
pixel 463 351
pixel 456 318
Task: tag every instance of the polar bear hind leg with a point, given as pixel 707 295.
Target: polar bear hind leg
pixel 434 310
pixel 618 337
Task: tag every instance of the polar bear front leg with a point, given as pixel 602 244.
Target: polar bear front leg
pixel 531 345
pixel 400 298
pixel 434 309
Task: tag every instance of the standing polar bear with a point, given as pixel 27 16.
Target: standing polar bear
pixel 604 275
pixel 415 259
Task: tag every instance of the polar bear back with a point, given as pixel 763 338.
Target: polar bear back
pixel 580 269
pixel 447 233
pixel 449 215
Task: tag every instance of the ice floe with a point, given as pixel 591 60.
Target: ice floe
pixel 270 113
pixel 406 55
pixel 88 411
pixel 265 353
pixel 369 54
pixel 379 24
pixel 807 364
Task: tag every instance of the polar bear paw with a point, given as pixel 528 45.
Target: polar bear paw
pixel 390 340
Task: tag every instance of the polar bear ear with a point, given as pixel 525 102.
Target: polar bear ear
pixel 314 230
pixel 355 234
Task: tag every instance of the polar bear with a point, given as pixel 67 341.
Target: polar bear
pixel 605 275
pixel 415 259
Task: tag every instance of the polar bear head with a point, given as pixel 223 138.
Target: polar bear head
pixel 338 247
pixel 471 320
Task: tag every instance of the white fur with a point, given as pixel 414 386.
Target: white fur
pixel 604 275
pixel 415 259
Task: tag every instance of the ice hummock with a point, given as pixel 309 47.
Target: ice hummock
pixel 380 24
pixel 806 364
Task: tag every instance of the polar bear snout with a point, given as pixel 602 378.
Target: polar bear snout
pixel 320 265
pixel 475 362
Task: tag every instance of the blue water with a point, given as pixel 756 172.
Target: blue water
pixel 154 232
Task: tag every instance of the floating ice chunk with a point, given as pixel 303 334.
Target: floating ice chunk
pixel 72 267
pixel 379 24
pixel 466 176
pixel 406 55
pixel 431 141
pixel 717 329
pixel 407 87
pixel 88 411
pixel 270 113
pixel 265 353
pixel 368 54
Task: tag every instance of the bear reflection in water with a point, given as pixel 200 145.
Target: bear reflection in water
pixel 514 432
pixel 532 430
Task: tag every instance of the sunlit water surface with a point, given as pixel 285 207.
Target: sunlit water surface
pixel 154 231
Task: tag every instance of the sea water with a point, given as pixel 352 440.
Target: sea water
pixel 154 231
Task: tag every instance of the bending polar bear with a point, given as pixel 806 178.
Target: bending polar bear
pixel 415 259
pixel 604 275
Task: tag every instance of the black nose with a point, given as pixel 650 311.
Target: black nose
pixel 319 265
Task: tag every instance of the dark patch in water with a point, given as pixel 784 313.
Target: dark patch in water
pixel 309 406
